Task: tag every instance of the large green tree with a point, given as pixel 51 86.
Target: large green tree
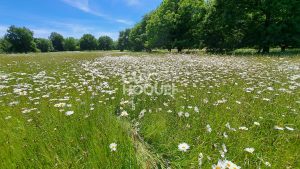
pixel 70 44
pixel 44 45
pixel 190 13
pixel 224 26
pixel 57 41
pixel 105 43
pixel 138 36
pixel 279 24
pixel 176 24
pixel 4 46
pixel 88 42
pixel 20 39
pixel 162 25
pixel 123 41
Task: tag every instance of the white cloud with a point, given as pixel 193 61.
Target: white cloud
pixel 3 29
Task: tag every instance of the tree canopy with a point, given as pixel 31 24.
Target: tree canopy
pixel 105 43
pixel 70 44
pixel 57 41
pixel 217 26
pixel 19 39
pixel 44 45
pixel 88 42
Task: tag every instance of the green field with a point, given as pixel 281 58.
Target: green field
pixel 64 110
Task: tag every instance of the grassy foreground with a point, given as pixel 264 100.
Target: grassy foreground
pixel 64 110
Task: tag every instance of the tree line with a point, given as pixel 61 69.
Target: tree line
pixel 216 26
pixel 21 40
pixel 213 25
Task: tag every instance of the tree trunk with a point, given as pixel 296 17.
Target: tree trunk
pixel 266 49
pixel 179 49
pixel 283 47
pixel 266 43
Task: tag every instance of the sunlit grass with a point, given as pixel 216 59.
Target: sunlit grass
pixel 251 94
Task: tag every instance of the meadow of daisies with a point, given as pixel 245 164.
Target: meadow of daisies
pixel 138 110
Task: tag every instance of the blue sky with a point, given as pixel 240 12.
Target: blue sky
pixel 74 17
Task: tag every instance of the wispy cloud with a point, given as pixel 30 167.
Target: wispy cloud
pixel 133 2
pixel 84 6
pixel 80 4
pixel 123 21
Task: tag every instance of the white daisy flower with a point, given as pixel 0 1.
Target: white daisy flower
pixel 243 128
pixel 183 147
pixel 278 128
pixel 208 128
pixel 8 117
pixel 289 128
pixel 249 150
pixel 69 113
pixel 221 165
pixel 113 147
pixel 187 114
pixel 124 114
pixel 256 123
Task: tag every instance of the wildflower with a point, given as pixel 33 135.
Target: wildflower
pixel 231 165
pixel 267 164
pixel 249 150
pixel 208 128
pixel 180 114
pixel 256 123
pixel 8 117
pixel 278 128
pixel 183 147
pixel 60 105
pixel 196 109
pixel 200 158
pixel 225 135
pixel 113 147
pixel 229 127
pixel 221 165
pixel 187 114
pixel 289 128
pixel 124 114
pixel 69 113
pixel 243 128
pixel 224 148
